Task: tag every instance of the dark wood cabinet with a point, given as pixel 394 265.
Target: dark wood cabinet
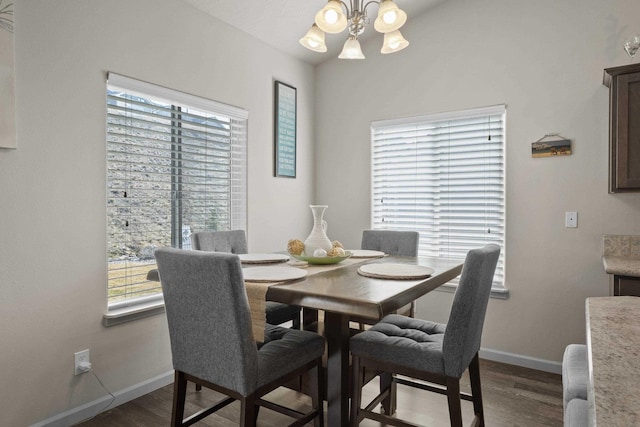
pixel 623 285
pixel 624 127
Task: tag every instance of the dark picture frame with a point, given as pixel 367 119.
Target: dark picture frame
pixel 285 129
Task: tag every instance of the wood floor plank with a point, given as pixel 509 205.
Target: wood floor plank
pixel 513 397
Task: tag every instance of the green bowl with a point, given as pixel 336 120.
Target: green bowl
pixel 325 260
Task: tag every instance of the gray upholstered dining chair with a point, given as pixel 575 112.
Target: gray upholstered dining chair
pixel 212 343
pixel 235 242
pixel 575 382
pixel 432 352
pixel 391 242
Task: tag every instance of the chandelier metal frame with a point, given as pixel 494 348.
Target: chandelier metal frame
pixel 336 16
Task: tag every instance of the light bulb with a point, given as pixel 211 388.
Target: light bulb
pixel 389 17
pixel 331 16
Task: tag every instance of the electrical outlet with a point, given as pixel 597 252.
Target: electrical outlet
pixel 571 219
pixel 82 363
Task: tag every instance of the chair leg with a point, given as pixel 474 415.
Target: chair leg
pixel 389 403
pixel 248 413
pixel 357 383
pixel 453 397
pixel 179 396
pixel 476 390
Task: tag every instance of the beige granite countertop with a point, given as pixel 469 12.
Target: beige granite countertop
pixel 622 255
pixel 621 266
pixel 613 339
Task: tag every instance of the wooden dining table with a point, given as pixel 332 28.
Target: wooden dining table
pixel 343 294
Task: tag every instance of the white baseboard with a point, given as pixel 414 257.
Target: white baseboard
pixel 91 409
pixel 520 360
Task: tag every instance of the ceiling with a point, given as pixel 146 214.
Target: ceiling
pixel 281 23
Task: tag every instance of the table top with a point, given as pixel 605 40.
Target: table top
pixel 613 339
pixel 343 290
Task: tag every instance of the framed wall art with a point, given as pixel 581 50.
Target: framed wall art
pixel 285 121
pixel 552 144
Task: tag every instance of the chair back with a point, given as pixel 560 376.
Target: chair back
pixel 233 242
pixel 464 329
pixel 208 316
pixel 392 242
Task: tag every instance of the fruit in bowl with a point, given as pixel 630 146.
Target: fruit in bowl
pixel 295 247
pixel 336 251
pixel 334 255
pixel 319 253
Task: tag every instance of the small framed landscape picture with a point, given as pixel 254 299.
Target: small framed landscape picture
pixel 558 147
pixel 284 130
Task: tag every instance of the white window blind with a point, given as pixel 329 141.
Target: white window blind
pixel 442 175
pixel 176 164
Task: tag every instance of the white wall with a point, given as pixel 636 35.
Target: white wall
pixel 52 188
pixel 545 61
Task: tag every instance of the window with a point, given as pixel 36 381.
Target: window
pixel 176 164
pixel 442 175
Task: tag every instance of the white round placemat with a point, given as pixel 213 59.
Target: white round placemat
pixel 272 274
pixel 263 258
pixel 395 271
pixel 366 253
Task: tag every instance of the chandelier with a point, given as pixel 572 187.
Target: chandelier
pixel 333 19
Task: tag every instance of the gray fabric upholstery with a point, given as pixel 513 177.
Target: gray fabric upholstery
pixel 577 413
pixel 277 312
pixel 575 373
pixel 406 341
pixel 210 324
pixel 432 347
pixel 233 242
pixel 392 242
pixel 466 320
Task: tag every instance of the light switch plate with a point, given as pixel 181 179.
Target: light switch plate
pixel 571 219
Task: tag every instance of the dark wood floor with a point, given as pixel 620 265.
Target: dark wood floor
pixel 513 396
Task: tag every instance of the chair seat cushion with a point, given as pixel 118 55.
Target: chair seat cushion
pixel 403 341
pixel 575 373
pixel 285 350
pixel 577 413
pixel 277 313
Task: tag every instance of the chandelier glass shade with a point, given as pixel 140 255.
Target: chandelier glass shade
pixel 314 40
pixel 336 16
pixel 393 42
pixel 351 49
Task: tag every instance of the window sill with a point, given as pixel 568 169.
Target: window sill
pixel 122 313
pixel 497 293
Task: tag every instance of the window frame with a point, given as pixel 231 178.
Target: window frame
pixel 131 308
pixel 387 166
